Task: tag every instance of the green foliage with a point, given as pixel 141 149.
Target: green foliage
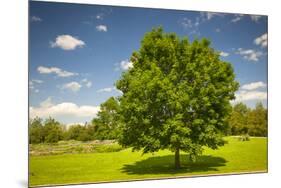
pixel 257 121
pixel 244 120
pixel 52 131
pixel 72 147
pixel 36 131
pixel 176 96
pixel 103 148
pixel 79 132
pixel 106 124
pixel 238 119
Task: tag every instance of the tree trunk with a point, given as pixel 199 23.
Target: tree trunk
pixel 177 158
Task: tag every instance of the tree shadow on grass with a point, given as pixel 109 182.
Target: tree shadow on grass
pixel 165 165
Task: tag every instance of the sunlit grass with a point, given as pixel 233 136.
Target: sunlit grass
pixel 235 157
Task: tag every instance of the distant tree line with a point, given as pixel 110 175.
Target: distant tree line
pixel 105 126
pixel 244 120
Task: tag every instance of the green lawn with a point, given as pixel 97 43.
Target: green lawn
pixel 236 156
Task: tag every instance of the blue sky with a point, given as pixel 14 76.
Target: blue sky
pixel 77 52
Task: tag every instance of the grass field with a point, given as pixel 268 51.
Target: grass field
pixel 236 156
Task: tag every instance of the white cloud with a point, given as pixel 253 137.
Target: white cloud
pixel 109 89
pixel 261 40
pixel 37 81
pixel 54 70
pixel 73 86
pixel 224 54
pixel 125 65
pixel 217 30
pixel 255 18
pixel 192 26
pixel 253 85
pixel 186 23
pixel 102 28
pixel 210 15
pixel 100 16
pixel 36 19
pixel 48 108
pixel 78 123
pixel 47 103
pixel 250 95
pixel 67 42
pixel 249 54
pixel 87 83
pixel 32 84
pixel 237 18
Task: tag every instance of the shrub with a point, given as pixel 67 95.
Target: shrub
pixel 244 137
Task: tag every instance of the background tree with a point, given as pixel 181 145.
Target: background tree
pixel 107 121
pixel 36 134
pixel 176 96
pixel 238 119
pixel 257 121
pixel 52 131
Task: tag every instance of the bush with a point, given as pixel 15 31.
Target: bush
pixel 245 137
pixel 107 148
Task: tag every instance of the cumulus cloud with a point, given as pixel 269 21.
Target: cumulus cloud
pixel 54 70
pixel 101 28
pixel 72 86
pixel 249 54
pixel 48 108
pixel 36 19
pixel 250 95
pixel 261 40
pixel 250 92
pixel 253 86
pixel 67 42
pixel 224 54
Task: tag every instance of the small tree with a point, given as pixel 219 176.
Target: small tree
pixel 176 96
pixel 238 119
pixel 257 121
pixel 36 131
pixel 106 123
pixel 52 131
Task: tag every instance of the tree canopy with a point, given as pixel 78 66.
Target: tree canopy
pixel 176 96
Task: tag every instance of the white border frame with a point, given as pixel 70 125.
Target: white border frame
pixel 13 99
